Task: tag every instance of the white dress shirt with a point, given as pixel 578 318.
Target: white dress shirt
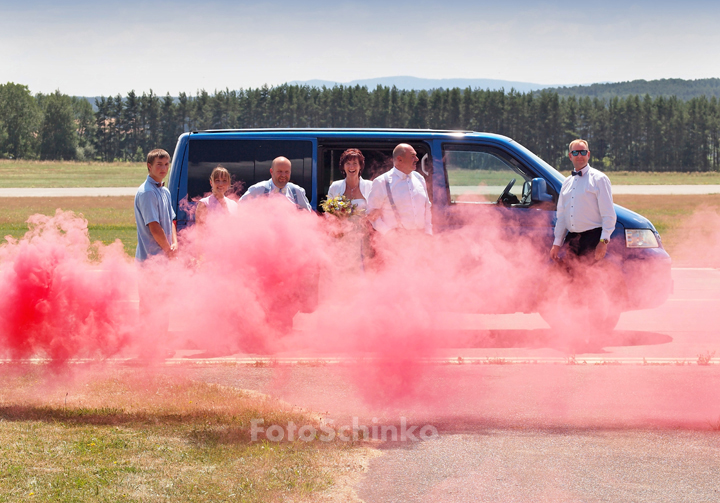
pixel 585 203
pixel 409 192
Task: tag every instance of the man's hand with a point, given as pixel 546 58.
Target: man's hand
pixel 600 250
pixel 555 253
pixel 159 235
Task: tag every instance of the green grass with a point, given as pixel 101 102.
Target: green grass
pixel 671 178
pixel 670 213
pixel 109 218
pixel 122 435
pixel 474 177
pixel 52 174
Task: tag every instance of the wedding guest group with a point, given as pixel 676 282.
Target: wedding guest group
pixel 585 212
pixel 279 183
pixel 216 202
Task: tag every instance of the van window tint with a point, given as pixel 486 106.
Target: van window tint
pixel 479 173
pixel 248 161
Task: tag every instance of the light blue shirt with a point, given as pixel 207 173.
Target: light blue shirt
pixel 152 204
pixel 294 193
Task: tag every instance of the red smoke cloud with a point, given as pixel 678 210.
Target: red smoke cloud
pixel 238 279
pixel 55 302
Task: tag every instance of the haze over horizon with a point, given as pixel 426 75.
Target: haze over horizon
pixel 84 48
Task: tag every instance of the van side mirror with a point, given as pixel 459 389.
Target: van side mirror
pixel 539 190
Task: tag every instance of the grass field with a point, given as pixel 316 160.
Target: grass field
pixel 669 214
pixel 109 218
pixel 52 174
pixel 123 435
pixel 670 178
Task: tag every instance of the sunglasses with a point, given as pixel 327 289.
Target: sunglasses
pixel 576 153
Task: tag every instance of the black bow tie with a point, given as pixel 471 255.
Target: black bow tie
pixel 577 173
pixel 159 184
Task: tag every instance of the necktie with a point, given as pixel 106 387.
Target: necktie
pixel 577 173
pixel 159 184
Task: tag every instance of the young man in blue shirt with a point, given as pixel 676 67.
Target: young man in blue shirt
pixel 157 237
pixel 154 214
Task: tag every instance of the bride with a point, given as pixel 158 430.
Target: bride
pixel 352 246
pixel 355 188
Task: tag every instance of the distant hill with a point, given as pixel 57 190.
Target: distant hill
pixel 418 84
pixel 683 89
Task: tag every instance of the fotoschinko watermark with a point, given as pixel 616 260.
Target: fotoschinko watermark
pixel 346 433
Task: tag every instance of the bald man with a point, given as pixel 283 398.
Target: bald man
pixel 279 183
pixel 399 198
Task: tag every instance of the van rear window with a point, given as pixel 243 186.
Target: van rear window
pixel 248 161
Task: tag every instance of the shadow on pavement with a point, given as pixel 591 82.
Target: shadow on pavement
pixel 546 338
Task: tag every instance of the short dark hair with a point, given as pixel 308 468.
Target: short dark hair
pixel 349 155
pixel 158 153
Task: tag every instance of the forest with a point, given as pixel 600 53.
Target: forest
pixel 630 133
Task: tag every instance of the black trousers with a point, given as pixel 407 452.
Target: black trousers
pixel 583 243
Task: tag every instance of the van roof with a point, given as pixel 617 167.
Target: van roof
pixel 375 133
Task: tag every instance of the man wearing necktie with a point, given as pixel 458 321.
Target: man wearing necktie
pixel 279 183
pixel 585 212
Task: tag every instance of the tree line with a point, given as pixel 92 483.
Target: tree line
pixel 633 133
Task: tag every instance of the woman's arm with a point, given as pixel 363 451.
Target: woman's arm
pixel 200 213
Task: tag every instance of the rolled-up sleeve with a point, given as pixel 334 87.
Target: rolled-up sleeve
pixel 376 201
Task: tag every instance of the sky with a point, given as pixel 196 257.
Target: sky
pixel 91 48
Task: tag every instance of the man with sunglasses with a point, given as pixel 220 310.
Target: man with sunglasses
pixel 585 212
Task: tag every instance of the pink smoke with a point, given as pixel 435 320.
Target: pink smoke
pixel 238 279
pixel 55 302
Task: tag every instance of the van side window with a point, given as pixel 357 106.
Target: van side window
pixel 248 162
pixel 477 173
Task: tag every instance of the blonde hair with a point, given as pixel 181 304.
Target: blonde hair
pixel 579 140
pixel 220 173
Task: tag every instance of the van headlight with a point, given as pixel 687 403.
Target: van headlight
pixel 640 238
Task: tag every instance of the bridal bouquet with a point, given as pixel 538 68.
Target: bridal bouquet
pixel 340 206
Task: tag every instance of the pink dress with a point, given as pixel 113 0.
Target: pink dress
pixel 214 206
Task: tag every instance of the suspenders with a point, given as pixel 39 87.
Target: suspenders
pixel 392 203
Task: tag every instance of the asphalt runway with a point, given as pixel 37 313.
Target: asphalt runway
pixel 636 418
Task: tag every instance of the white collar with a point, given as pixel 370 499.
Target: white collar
pixel 400 174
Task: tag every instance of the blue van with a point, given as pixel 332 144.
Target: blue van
pixel 478 172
